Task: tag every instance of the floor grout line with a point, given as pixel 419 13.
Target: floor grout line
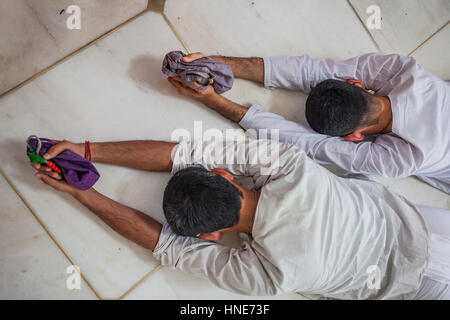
pixel 90 43
pixel 52 237
pixel 148 275
pixel 177 35
pixel 428 39
pixel 365 27
pixel 140 281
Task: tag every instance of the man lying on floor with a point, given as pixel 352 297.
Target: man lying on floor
pixel 309 231
pixel 409 113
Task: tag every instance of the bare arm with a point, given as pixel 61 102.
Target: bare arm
pixel 128 222
pixel 143 155
pixel 245 68
pixel 227 108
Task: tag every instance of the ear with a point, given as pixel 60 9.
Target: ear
pixel 212 236
pixel 355 137
pixel 223 173
pixel 357 83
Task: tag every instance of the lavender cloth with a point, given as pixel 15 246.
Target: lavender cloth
pixel 200 70
pixel 75 169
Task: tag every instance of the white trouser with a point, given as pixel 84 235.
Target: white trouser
pixel 436 281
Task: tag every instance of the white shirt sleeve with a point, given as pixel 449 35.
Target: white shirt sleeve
pixel 303 73
pixel 388 155
pixel 238 270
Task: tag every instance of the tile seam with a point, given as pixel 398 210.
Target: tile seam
pixel 148 275
pixel 70 55
pixel 365 27
pixel 428 39
pixel 52 237
pixel 177 35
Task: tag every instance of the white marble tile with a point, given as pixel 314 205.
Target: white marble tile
pixel 264 27
pixel 434 55
pixel 25 46
pixel 34 32
pixel 111 91
pixel 176 285
pixel 31 265
pixel 96 17
pixel 405 23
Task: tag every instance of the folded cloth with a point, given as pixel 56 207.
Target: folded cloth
pixel 200 70
pixel 75 169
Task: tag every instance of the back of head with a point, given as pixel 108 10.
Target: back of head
pixel 200 201
pixel 337 108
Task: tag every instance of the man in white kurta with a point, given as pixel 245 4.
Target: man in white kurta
pixel 419 143
pixel 314 233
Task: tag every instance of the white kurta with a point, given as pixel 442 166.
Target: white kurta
pixel 314 233
pixel 420 140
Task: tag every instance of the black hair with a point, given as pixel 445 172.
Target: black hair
pixel 200 201
pixel 338 108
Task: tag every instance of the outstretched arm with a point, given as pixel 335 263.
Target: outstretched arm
pixel 146 155
pixel 227 108
pixel 245 68
pixel 130 223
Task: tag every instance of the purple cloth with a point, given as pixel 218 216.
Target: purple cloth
pixel 75 169
pixel 200 70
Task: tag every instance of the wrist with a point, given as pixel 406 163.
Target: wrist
pixel 79 148
pixel 82 195
pixel 212 99
pixel 218 58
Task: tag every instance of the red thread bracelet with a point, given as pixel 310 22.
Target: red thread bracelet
pixel 87 150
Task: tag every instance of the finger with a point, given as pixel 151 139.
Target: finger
pixel 180 87
pixel 192 56
pixel 40 167
pixel 55 150
pixel 177 78
pixel 49 180
pixel 50 174
pixel 55 175
pixel 195 83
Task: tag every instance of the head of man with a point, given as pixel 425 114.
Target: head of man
pixel 339 108
pixel 201 202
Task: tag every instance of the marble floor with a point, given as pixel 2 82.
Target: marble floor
pixel 35 35
pixel 114 90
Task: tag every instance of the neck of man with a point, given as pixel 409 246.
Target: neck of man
pixel 248 210
pixel 385 118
